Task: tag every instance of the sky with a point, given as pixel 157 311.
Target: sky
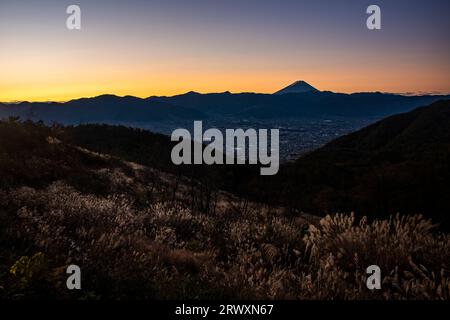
pixel 168 47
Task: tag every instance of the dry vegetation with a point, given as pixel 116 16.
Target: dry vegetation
pixel 166 250
pixel 138 233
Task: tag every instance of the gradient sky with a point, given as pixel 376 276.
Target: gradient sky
pixel 167 47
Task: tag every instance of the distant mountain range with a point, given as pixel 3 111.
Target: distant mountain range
pixel 101 109
pixel 295 101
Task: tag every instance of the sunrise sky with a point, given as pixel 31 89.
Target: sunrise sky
pixel 168 47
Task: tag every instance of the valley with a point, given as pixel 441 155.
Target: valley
pixel 109 199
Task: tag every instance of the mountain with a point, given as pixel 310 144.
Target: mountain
pixel 399 164
pixel 195 106
pixel 100 109
pixel 312 104
pixel 215 104
pixel 297 87
pixel 326 104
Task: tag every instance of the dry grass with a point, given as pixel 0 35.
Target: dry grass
pixel 167 250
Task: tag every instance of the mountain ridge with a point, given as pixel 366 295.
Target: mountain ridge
pixel 109 108
pixel 297 87
pixel 400 164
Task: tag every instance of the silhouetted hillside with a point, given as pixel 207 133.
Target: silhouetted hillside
pixel 298 105
pixel 31 156
pixel 225 104
pixel 112 109
pixel 154 150
pixel 400 164
pixel 101 109
pixel 90 158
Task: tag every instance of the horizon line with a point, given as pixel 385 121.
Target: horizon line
pixel 409 94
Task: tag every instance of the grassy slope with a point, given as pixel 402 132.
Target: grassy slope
pixel 138 232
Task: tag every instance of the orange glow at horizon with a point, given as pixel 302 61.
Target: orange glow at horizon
pixel 44 75
pixel 60 87
pixel 147 48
